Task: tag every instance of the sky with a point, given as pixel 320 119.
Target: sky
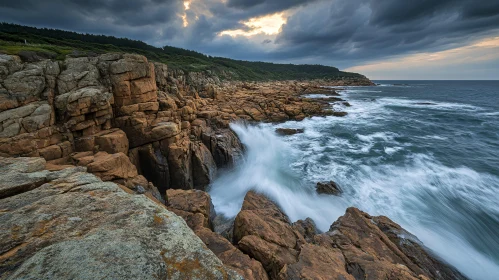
pixel 382 39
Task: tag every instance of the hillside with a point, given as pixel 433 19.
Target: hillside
pixel 52 43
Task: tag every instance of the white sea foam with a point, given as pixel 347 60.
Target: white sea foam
pixel 428 104
pixel 412 194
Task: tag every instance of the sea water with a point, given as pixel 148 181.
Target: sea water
pixel 423 153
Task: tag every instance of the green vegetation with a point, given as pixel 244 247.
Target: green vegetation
pixel 56 44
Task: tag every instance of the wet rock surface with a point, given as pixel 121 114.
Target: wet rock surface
pixel 328 188
pixel 289 131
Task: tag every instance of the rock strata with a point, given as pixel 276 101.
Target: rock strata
pixel 174 126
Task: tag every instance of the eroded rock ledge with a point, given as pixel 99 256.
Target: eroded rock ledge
pixel 173 126
pixel 115 154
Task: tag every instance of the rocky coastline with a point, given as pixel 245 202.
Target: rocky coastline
pixel 104 165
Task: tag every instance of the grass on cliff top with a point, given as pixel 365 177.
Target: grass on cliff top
pixel 57 44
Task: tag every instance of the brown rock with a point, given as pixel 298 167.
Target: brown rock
pixel 263 231
pixel 51 152
pixel 203 166
pixel 410 245
pixel 328 188
pixel 196 209
pixel 306 228
pixel 180 164
pixel 114 142
pixel 109 166
pixel 370 254
pixel 316 262
pixel 194 202
pixel 79 227
pixel 231 256
pixel 289 131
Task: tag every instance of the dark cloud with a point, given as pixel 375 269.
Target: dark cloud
pixel 143 19
pixel 346 32
pixel 341 33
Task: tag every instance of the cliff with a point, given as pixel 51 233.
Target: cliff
pixel 101 156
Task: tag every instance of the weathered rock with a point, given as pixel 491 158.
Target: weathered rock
pixel 180 164
pixel 193 202
pixel 224 145
pixel 25 119
pixel 231 256
pixel 196 209
pixel 315 262
pixel 328 188
pixel 289 131
pixel 21 175
pixel 114 142
pixel 78 73
pixel 108 166
pixel 370 254
pixel 410 245
pixel 79 227
pixel 203 166
pixel 83 101
pixel 264 232
pixel 306 228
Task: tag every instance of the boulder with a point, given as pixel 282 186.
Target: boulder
pixel 288 131
pixel 83 101
pixel 82 228
pixel 114 142
pixel 315 262
pixel 262 231
pixel 180 164
pixel 328 188
pixel 434 267
pixel 232 257
pixel 193 202
pixel 108 166
pixel 224 146
pixel 306 228
pixel 26 86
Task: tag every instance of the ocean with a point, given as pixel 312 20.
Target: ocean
pixel 423 153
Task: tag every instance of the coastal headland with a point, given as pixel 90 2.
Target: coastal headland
pixel 105 161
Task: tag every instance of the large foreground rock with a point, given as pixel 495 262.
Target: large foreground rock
pixel 77 227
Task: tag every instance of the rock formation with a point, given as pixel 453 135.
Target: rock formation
pixel 103 165
pixel 357 246
pixel 75 226
pixel 328 188
pixel 173 126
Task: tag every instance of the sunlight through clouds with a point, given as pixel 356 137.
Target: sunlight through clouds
pixel 269 24
pixel 187 6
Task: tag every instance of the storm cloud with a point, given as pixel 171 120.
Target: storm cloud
pixel 333 32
